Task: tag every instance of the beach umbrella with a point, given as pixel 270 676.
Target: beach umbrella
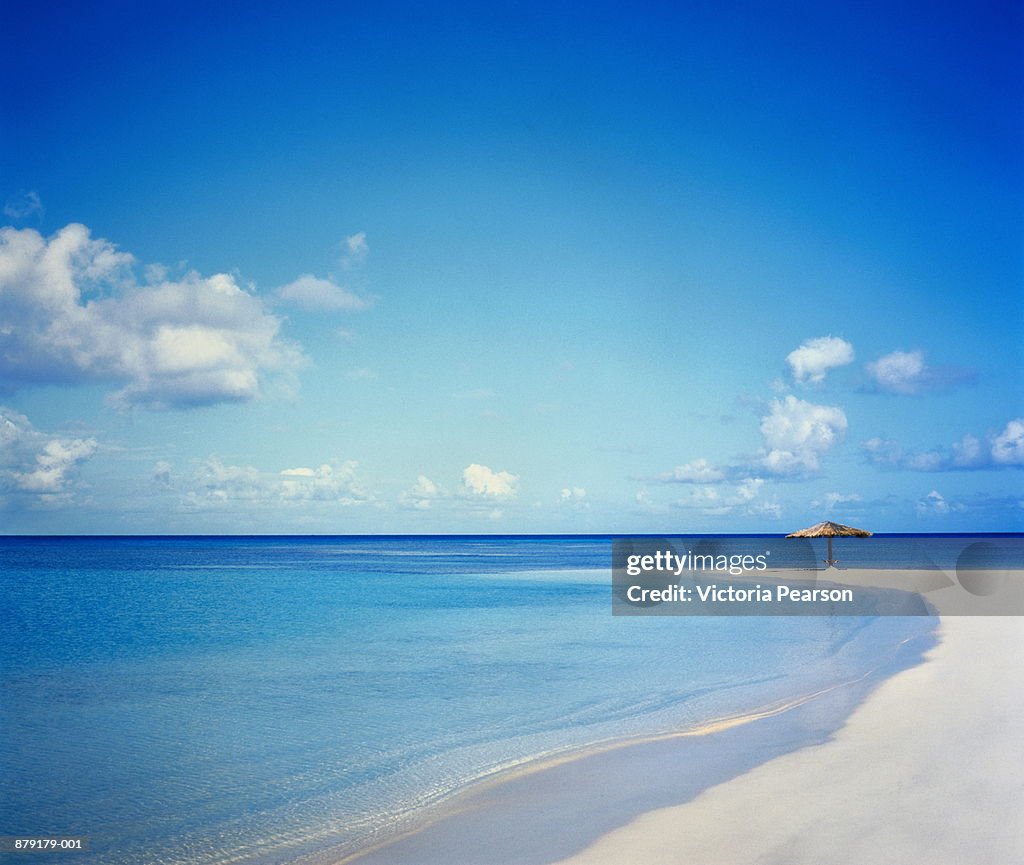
pixel 830 530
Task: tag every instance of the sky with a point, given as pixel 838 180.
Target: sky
pixel 513 268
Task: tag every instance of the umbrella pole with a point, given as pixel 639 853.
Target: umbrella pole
pixel 829 562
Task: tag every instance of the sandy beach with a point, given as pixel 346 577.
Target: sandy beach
pixel 926 770
pixel 916 763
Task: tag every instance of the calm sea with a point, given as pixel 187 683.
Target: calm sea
pixel 216 700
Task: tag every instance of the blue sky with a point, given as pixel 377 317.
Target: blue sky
pixel 511 268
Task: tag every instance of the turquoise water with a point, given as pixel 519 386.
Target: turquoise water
pixel 215 700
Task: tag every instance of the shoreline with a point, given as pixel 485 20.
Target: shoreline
pixel 912 776
pixel 481 824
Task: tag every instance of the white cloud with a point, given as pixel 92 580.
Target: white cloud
pixel 573 494
pixel 899 372
pixel 422 494
pixel 361 374
pixel 312 293
pixel 749 488
pixel 936 504
pixel 813 359
pixel 71 311
pixel 907 372
pixel 215 483
pixel 724 500
pixel 356 247
pixel 830 501
pixel 925 461
pixel 766 509
pixel 331 482
pixel 884 452
pixel 798 433
pixel 969 452
pixel 1008 446
pixel 699 471
pixel 38 463
pixel 54 464
pixel 23 206
pixel 479 480
pixel 1004 449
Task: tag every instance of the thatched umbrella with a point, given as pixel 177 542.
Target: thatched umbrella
pixel 830 530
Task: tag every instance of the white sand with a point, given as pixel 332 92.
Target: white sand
pixel 930 769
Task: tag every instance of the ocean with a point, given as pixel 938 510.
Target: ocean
pixel 213 700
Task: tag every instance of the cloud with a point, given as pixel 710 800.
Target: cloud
pixel 898 371
pixel 71 312
pixel 999 450
pixel 23 206
pixel 936 504
pixel 321 295
pixel 331 482
pixel 162 473
pixel 356 248
pixel 830 501
pixel 1008 446
pixel 774 510
pixel 40 464
pixel 907 372
pixel 478 480
pixel 797 434
pixel 741 498
pixel 361 374
pixel 813 359
pixel 422 494
pixel 749 488
pixel 214 483
pixel 575 497
pixel 699 471
pixel 882 452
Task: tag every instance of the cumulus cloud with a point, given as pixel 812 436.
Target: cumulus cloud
pixel 331 482
pixel 741 498
pixel 882 452
pixel 569 494
pixel 478 480
pixel 37 463
pixel 1003 449
pixel 898 371
pixel 830 501
pixel 71 311
pixel 749 488
pixel 813 359
pixel 699 471
pixel 936 504
pixel 315 294
pixel 1008 446
pixel 797 434
pixel 907 372
pixel 422 494
pixel 214 483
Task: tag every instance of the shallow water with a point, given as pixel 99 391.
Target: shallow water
pixel 215 700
